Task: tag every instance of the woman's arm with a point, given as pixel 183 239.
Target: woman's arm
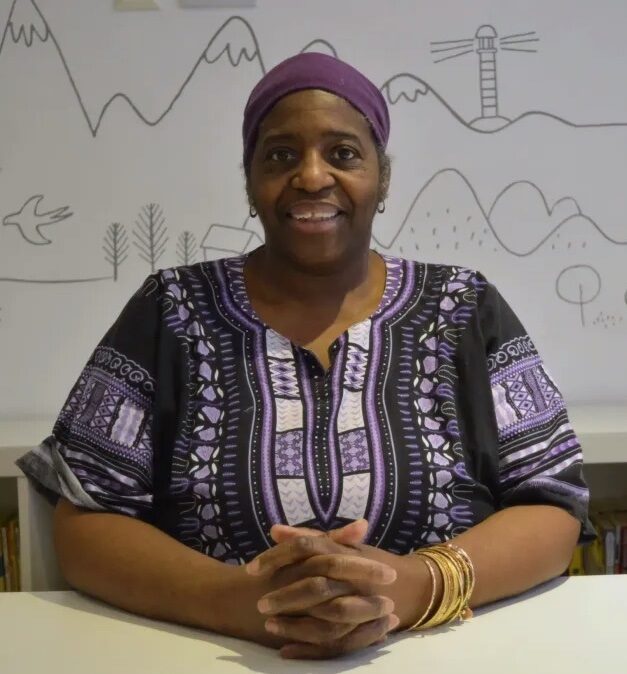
pixel 518 548
pixel 131 564
pixel 512 551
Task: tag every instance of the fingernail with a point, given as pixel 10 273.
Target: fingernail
pixel 388 575
pixel 264 605
pixel 393 621
pixel 254 567
pixel 272 626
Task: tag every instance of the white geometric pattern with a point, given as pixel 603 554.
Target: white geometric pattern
pixel 127 425
pixel 355 492
pixel 289 414
pixel 278 346
pixel 360 334
pixel 505 413
pixel 294 500
pixel 350 415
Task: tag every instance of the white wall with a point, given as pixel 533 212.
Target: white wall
pixel 97 115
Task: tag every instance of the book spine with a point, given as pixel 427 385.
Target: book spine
pixel 5 554
pixel 2 570
pixel 12 539
pixel 610 552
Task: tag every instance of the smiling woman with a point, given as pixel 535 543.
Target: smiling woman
pixel 311 445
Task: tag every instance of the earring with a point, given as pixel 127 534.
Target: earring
pixel 252 212
pixel 381 206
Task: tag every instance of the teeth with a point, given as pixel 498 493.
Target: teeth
pixel 313 212
pixel 315 216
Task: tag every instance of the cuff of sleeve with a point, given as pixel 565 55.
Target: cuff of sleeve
pixel 49 474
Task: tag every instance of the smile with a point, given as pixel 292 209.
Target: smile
pixel 314 217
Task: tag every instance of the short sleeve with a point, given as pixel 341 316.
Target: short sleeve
pixel 538 456
pixel 100 453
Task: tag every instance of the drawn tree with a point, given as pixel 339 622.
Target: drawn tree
pixel 115 247
pixel 578 284
pixel 150 234
pixel 186 248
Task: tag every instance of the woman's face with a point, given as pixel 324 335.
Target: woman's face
pixel 314 179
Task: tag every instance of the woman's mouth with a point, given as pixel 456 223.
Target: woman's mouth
pixel 314 218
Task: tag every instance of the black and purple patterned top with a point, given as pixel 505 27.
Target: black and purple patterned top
pixel 196 416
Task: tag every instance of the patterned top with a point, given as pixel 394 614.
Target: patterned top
pixel 196 416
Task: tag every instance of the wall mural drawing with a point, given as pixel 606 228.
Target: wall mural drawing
pixel 150 235
pixel 523 191
pixel 28 220
pixel 186 248
pixel 578 284
pixel 115 247
pixel 27 22
pixel 486 44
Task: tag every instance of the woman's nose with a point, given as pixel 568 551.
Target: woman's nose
pixel 313 173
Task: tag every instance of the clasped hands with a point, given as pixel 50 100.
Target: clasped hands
pixel 328 592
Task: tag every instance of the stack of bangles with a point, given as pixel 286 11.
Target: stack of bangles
pixel 458 582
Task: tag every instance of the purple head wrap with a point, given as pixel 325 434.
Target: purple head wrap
pixel 314 71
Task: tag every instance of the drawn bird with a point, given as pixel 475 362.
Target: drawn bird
pixel 29 221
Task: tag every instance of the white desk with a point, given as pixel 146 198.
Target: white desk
pixel 569 626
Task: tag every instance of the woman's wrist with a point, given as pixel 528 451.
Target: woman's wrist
pixel 414 590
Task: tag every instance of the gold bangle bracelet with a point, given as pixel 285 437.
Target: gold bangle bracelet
pixel 458 581
pixel 429 608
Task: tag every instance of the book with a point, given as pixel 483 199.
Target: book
pixel 5 555
pixel 576 567
pixel 619 520
pixel 13 548
pixel 2 571
pixel 594 556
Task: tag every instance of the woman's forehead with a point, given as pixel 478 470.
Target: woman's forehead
pixel 313 110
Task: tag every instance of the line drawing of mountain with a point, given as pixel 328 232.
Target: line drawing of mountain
pixel 320 46
pixel 235 38
pixel 503 214
pixel 410 88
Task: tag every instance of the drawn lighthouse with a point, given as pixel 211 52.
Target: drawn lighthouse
pixel 486 43
pixel 486 48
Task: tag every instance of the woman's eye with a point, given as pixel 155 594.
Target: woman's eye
pixel 345 153
pixel 280 155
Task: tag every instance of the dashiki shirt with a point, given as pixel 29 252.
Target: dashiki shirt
pixel 195 416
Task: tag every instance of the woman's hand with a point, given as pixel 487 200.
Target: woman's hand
pixel 411 591
pixel 316 606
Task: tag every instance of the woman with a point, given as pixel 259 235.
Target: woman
pixel 394 405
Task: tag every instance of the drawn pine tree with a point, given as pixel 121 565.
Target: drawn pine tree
pixel 115 247
pixel 186 248
pixel 151 234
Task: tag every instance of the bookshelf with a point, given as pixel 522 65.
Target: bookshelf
pixel 602 430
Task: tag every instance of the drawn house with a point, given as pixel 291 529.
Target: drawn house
pixel 223 239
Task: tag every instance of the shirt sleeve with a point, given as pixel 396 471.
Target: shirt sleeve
pixel 538 458
pixel 100 453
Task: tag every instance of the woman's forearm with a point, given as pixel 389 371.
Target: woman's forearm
pixel 137 567
pixel 517 548
pixel 512 551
